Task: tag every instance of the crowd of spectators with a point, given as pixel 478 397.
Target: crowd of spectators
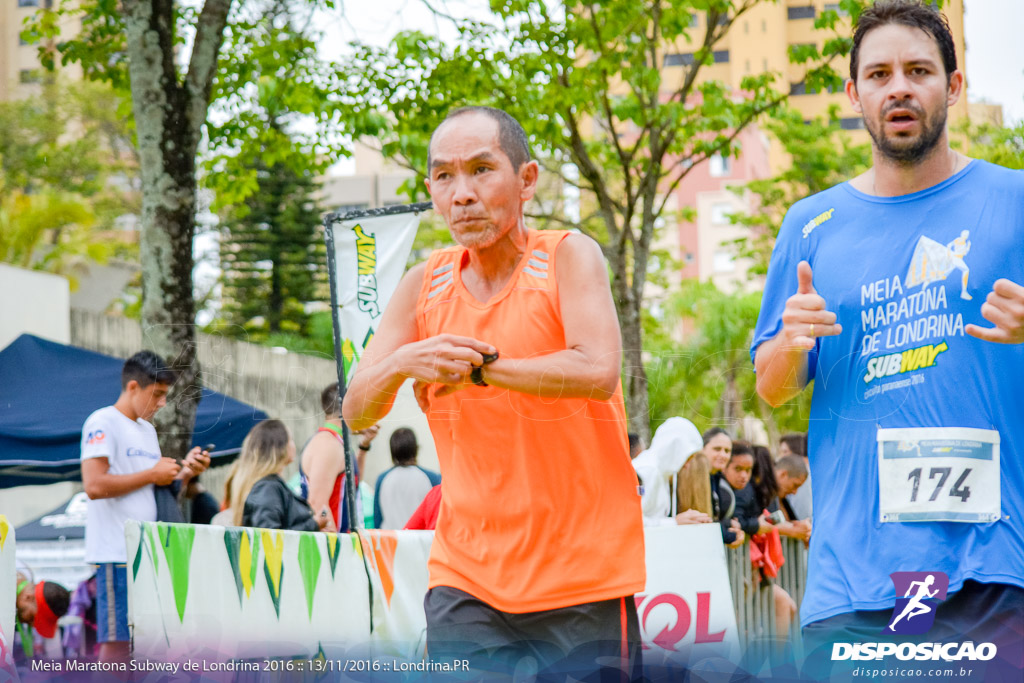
pixel 691 478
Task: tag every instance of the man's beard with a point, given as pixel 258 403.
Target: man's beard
pixel 904 154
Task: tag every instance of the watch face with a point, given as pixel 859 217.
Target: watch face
pixel 490 357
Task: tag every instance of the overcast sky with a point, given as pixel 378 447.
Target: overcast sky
pixel 995 54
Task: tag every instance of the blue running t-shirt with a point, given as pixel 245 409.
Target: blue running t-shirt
pixel 905 275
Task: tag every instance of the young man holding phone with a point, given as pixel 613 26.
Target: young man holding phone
pixel 121 464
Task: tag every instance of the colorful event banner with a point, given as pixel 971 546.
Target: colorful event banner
pixel 249 594
pixel 686 611
pixel 370 255
pixel 223 594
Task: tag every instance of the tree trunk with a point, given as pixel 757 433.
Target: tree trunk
pixel 168 117
pixel 634 378
pixel 730 397
pixel 637 406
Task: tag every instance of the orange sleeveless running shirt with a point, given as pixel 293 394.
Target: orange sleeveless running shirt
pixel 540 508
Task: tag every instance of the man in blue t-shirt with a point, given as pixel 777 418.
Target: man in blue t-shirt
pixel 900 292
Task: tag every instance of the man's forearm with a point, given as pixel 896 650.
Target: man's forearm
pixel 563 374
pixel 781 370
pixel 371 394
pixel 792 530
pixel 113 485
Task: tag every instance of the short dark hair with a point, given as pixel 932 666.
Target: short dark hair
pixel 713 432
pixel 741 448
pixel 796 441
pixel 403 445
pixel 793 465
pixel 146 367
pixel 57 598
pixel 329 400
pixel 913 13
pixel 511 136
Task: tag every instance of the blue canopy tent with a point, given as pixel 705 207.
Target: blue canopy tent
pixel 65 521
pixel 48 389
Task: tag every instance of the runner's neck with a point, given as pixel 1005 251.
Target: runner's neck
pixel 892 179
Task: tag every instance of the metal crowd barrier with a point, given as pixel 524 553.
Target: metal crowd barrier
pixel 754 600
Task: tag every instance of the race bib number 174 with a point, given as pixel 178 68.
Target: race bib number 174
pixel 947 474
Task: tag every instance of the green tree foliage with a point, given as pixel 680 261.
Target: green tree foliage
pixel 167 55
pixel 272 255
pixel 1003 145
pixel 46 231
pixel 705 374
pixel 271 140
pixel 275 104
pixel 62 193
pixel 604 115
pixel 820 156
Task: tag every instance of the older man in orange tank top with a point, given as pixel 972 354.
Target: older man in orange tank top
pixel 513 344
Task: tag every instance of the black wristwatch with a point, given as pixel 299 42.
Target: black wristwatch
pixel 477 375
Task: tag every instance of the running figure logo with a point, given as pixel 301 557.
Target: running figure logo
pixel 933 261
pixel 922 592
pixel 958 248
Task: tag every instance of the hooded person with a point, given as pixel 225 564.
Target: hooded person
pixel 673 442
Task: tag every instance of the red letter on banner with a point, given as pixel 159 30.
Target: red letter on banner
pixel 703 617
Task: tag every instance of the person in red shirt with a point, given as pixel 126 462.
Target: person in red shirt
pixel 425 516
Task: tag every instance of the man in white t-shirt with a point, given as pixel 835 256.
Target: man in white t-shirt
pixel 121 463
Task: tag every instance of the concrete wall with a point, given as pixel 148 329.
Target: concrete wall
pixel 34 302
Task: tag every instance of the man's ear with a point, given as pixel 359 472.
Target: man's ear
pixel 528 175
pixel 851 92
pixel 956 87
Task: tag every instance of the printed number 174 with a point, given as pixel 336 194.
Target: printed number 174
pixel 958 490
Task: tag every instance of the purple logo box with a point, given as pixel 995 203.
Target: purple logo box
pixel 918 595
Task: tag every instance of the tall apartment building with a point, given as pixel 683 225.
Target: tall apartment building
pixel 20 71
pixel 759 41
pixel 376 182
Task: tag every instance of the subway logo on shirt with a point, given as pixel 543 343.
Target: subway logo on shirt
pixel 904 361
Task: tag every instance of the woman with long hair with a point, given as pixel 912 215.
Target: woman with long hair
pixel 763 478
pixel 693 485
pixel 258 496
pixel 717 449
